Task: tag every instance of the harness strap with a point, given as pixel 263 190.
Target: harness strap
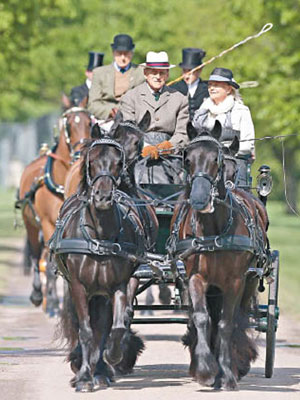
pixel 51 185
pixel 187 247
pixel 95 247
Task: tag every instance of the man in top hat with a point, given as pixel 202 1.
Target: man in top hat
pixel 168 107
pixel 78 93
pixel 112 81
pixel 192 86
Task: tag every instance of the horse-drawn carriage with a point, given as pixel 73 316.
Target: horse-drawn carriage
pixel 213 264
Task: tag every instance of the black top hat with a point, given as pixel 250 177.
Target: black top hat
pixel 95 60
pixel 191 58
pixel 122 42
pixel 223 75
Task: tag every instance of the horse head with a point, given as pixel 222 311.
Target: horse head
pixel 204 161
pixel 103 166
pixel 130 135
pixel 75 125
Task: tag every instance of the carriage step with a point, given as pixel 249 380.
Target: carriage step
pixel 160 320
pixel 164 307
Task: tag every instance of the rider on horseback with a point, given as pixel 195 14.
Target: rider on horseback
pixel 78 93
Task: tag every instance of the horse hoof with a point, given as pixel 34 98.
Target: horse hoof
pixel 110 360
pixel 84 387
pixel 101 382
pixel 36 298
pixel 230 385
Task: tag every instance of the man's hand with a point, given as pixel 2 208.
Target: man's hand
pixel 165 147
pixel 113 112
pixel 151 151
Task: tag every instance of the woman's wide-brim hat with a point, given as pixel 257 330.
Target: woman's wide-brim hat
pixel 223 75
pixel 157 60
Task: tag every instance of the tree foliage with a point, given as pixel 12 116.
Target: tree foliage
pixel 44 46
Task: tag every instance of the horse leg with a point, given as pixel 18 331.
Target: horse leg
pixel 103 318
pixel 84 379
pixel 113 353
pixel 203 366
pixel 52 306
pixel 27 257
pixel 132 287
pixel 231 299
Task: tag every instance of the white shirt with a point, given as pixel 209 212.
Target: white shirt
pixel 192 87
pixel 88 83
pixel 119 68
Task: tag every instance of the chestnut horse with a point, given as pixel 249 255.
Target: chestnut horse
pixel 214 235
pixel 41 193
pixel 97 245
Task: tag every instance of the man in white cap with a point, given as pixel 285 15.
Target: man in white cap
pixel 168 107
pixel 112 81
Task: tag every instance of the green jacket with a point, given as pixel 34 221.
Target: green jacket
pixel 101 95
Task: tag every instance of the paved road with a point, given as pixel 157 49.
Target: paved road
pixel 32 365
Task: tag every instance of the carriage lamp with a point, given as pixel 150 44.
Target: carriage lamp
pixel 264 181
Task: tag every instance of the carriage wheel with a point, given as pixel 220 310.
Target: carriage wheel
pixel 271 316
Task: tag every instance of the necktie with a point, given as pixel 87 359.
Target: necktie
pixel 122 70
pixel 156 95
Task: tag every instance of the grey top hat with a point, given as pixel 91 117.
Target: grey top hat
pixel 95 60
pixel 123 42
pixel 191 58
pixel 223 75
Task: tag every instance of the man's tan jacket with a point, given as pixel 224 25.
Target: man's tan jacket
pixel 169 114
pixel 101 95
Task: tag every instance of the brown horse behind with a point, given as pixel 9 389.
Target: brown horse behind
pixel 41 195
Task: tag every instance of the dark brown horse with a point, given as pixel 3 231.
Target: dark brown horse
pixel 41 193
pixel 98 244
pixel 218 245
pixel 259 216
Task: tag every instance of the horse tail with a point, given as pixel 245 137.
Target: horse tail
pixel 68 326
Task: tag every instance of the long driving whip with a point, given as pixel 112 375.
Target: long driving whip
pixel 265 29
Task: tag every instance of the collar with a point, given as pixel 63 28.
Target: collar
pixel 220 108
pixel 192 87
pixel 88 83
pixel 117 68
pixel 153 91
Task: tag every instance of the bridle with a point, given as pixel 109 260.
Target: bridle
pixel 220 162
pixel 72 147
pixel 110 142
pixel 230 184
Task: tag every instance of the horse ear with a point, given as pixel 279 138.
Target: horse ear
pixel 66 103
pixel 191 131
pixel 217 130
pixel 145 122
pixel 118 117
pixel 235 145
pixel 118 133
pixel 83 102
pixel 96 132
